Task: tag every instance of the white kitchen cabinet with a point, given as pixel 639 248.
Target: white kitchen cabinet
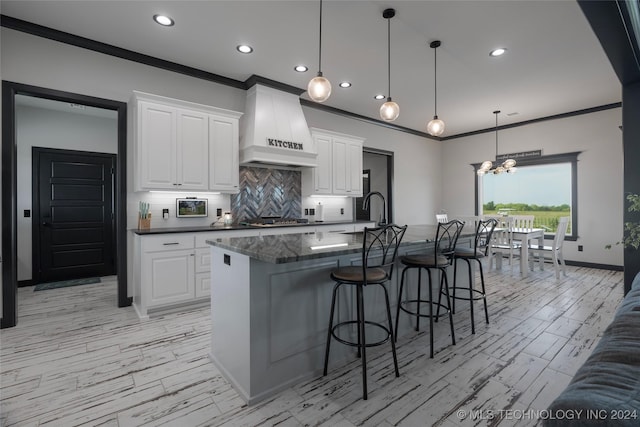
pixel 184 146
pixel 192 151
pixel 166 275
pixel 224 154
pixel 155 161
pixel 171 275
pixel 339 169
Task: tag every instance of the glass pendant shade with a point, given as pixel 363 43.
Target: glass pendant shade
pixel 319 88
pixel 435 126
pixel 486 165
pixel 509 163
pixel 389 111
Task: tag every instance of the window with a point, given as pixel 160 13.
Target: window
pixel 543 186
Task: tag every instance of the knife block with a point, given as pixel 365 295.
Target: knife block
pixel 144 223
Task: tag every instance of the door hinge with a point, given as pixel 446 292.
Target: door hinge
pixel 112 170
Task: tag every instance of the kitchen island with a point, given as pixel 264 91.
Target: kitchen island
pixel 270 301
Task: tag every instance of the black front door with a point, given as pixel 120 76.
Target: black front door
pixel 72 214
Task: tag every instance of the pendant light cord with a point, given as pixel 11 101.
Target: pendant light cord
pixel 435 81
pixel 496 112
pixel 389 57
pixel 320 42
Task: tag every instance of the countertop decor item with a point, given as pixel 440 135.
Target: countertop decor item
pixel 144 217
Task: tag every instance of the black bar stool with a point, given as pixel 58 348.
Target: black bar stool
pixel 442 257
pixel 481 244
pixel 379 251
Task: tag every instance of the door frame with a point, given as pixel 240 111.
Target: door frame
pixel 9 190
pixel 390 160
pixel 35 202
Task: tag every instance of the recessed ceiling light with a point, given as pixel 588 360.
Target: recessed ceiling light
pixel 301 68
pixel 498 52
pixel 164 20
pixel 345 84
pixel 244 48
pixel 379 97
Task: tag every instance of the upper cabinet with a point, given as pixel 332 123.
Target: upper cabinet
pixel 184 146
pixel 339 169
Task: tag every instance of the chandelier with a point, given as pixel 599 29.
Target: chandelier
pixel 508 166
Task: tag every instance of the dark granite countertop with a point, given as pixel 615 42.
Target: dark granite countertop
pixel 284 248
pixel 196 229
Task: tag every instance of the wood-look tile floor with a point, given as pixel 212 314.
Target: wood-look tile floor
pixel 76 359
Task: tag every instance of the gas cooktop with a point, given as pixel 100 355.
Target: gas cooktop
pixel 267 221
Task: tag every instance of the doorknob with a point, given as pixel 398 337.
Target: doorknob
pixel 46 224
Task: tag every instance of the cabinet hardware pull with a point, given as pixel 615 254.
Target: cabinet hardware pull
pixel 171 243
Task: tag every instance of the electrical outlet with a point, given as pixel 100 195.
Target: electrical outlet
pixel 219 212
pixel 341 211
pixel 306 211
pixel 580 248
pixel 312 211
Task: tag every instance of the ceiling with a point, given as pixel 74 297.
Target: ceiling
pixel 554 63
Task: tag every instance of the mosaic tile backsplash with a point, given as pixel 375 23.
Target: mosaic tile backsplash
pixel 267 192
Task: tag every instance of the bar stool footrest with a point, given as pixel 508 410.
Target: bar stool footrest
pixel 355 344
pixel 433 303
pixel 477 291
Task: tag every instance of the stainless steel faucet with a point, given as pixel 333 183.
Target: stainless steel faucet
pixel 365 205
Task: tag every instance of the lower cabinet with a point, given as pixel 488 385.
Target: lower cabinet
pixel 173 270
pixel 203 271
pixel 171 275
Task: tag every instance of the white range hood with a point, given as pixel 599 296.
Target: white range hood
pixel 274 131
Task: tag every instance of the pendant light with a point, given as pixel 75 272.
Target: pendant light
pixel 319 88
pixel 508 166
pixel 389 111
pixel 435 126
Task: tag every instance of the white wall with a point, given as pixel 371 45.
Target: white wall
pixel 600 182
pixel 38 127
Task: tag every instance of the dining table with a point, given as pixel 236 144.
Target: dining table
pixel 525 236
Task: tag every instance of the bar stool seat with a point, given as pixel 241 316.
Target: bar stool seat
pixel 355 274
pixel 446 239
pixel 425 260
pixel 379 252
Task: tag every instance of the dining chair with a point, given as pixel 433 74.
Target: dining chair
pixel 379 252
pixel 503 244
pixel 555 250
pixel 439 259
pixel 523 221
pixel 442 218
pixel 481 243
